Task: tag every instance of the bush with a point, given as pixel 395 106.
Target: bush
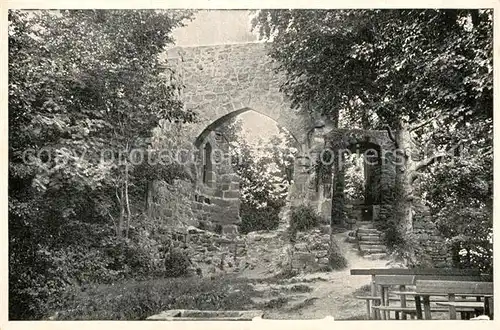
pixel 138 300
pixel 303 217
pixel 177 263
pixel 264 218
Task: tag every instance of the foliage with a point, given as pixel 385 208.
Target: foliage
pixel 177 263
pixel 304 217
pixel 428 73
pixel 354 177
pixel 265 174
pixel 351 59
pixel 463 208
pixel 136 300
pixel 263 218
pixel 78 104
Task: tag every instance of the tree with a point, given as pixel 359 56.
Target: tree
pixel 402 70
pixel 84 91
pixel 264 170
pixel 461 199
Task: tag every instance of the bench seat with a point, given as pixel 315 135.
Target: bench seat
pixel 413 309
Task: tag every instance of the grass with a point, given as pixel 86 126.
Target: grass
pixel 134 300
pixel 301 288
pixel 275 303
pixel 363 290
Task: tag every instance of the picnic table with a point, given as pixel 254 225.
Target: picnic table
pixel 452 289
pixel 464 305
pixel 383 278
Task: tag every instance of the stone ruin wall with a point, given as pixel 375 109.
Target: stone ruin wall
pixel 221 80
pixel 217 201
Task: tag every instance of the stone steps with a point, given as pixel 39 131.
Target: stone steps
pixel 370 238
pixel 368 242
pixel 375 256
pixel 370 246
pixel 371 243
pixel 368 231
pixel 365 250
pixel 377 242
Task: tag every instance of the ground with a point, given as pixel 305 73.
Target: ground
pixel 328 293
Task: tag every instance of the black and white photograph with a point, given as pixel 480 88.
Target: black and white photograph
pixel 218 164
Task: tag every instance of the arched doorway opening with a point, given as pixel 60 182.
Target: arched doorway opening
pixel 247 167
pixel 361 171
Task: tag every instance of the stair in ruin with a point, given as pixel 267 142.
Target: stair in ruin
pixel 369 241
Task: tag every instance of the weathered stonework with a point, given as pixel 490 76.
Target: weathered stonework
pixel 432 250
pixel 310 251
pixel 222 81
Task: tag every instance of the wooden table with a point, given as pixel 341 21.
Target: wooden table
pixel 454 289
pixel 475 305
pixel 428 273
pixel 441 301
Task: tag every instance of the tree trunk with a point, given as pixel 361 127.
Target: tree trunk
pixel 122 211
pixel 338 196
pixel 127 202
pixel 403 199
pixel 149 199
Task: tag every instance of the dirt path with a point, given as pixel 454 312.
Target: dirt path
pixel 332 292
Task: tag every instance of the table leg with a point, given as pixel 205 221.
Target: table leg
pixel 387 303
pixel 418 306
pixel 453 310
pixel 403 301
pixel 427 308
pixel 382 301
pixel 488 307
pixel 374 293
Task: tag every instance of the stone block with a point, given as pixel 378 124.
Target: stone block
pixel 301 247
pixel 231 194
pixel 230 229
pixel 304 261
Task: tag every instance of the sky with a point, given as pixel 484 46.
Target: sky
pixel 211 27
pixel 216 27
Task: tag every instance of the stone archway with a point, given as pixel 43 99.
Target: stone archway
pixel 222 80
pixel 218 199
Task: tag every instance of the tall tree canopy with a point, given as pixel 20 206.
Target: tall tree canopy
pixel 427 74
pixel 85 89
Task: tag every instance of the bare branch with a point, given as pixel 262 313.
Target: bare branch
pixel 426 162
pixel 425 122
pixel 422 124
pixel 114 222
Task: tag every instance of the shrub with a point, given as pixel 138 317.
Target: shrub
pixel 301 288
pixel 133 300
pixel 264 218
pixel 303 217
pixel 336 259
pixel 177 263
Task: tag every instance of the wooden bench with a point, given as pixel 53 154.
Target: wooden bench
pixel 373 272
pixel 452 289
